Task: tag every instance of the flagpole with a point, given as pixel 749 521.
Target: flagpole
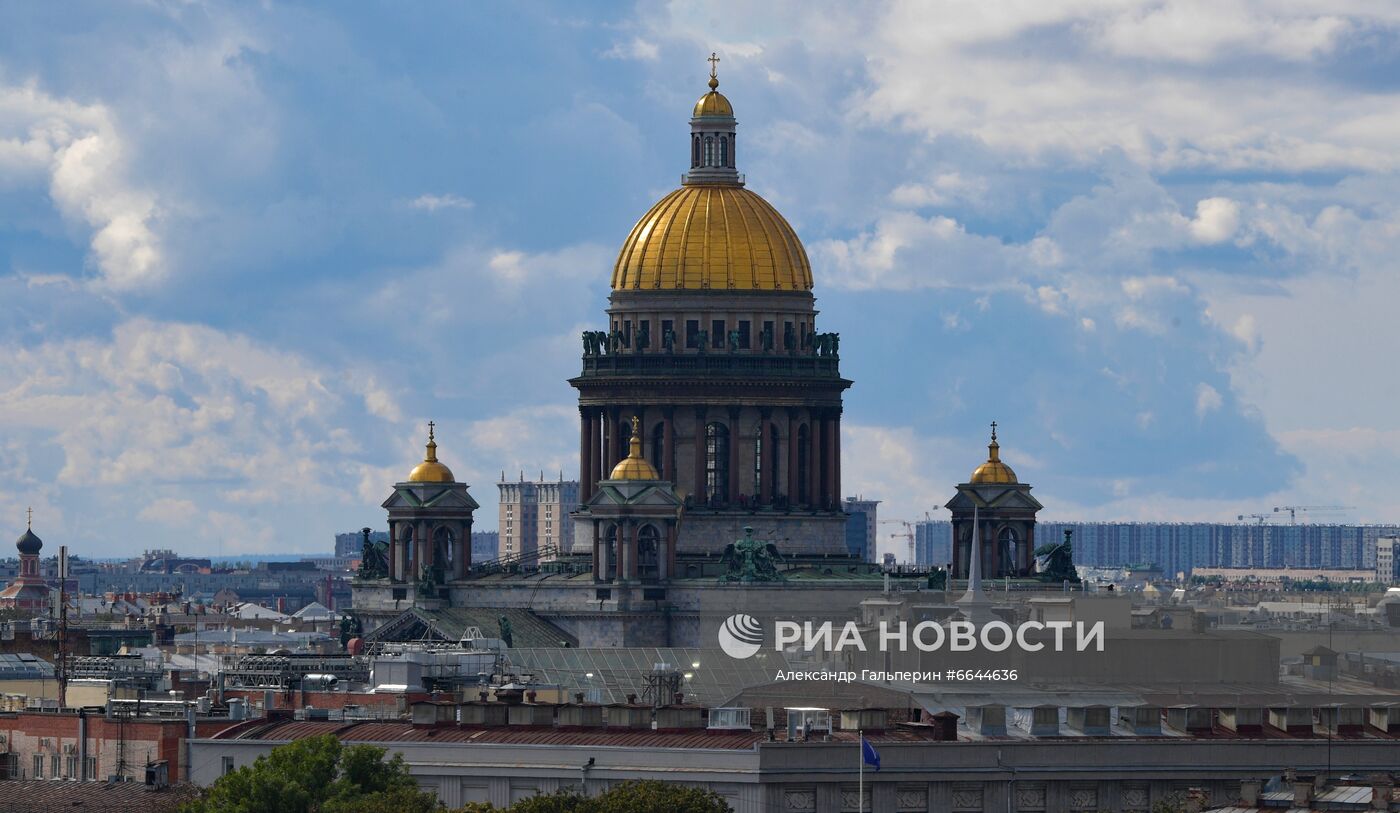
pixel 860 756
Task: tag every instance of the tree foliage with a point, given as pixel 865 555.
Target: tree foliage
pixel 645 796
pixel 317 775
pixel 320 775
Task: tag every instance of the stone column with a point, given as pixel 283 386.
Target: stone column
pixel 668 441
pixel 632 550
pixel 830 497
pixel 668 556
pixel 1027 548
pixel 598 565
pixel 814 460
pixel 587 446
pixel 614 414
pixel 731 488
pixel 465 544
pixel 625 553
pixel 836 454
pixel 792 457
pixel 995 570
pixel 699 490
pixel 768 466
pixel 393 553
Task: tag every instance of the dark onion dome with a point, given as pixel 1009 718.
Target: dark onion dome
pixel 29 543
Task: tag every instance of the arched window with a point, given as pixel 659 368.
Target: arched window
pixel 648 553
pixel 723 151
pixel 443 549
pixel 609 572
pixel 803 462
pixel 406 548
pixel 733 146
pixel 716 463
pixel 658 448
pixel 695 151
pixel 709 151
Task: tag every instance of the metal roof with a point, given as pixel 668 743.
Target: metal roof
pixel 615 673
pixel 24 666
pixel 395 732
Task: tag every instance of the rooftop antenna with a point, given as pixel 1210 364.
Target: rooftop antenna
pixel 62 625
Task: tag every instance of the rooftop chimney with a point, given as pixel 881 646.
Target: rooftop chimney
pixel 1249 792
pixel 1382 788
pixel 1302 793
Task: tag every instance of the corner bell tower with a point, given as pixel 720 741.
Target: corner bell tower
pixel 1004 513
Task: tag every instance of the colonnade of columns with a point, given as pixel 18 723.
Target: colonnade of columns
pixel 411 548
pixel 995 562
pixel 813 466
pixel 623 536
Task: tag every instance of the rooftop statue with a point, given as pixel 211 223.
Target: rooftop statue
pixel 752 560
pixel 374 558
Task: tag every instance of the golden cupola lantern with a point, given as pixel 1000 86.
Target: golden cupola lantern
pixel 994 470
pixel 431 470
pixel 634 466
pixel 713 103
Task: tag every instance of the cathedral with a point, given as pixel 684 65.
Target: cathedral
pixel 712 350
pixel 709 453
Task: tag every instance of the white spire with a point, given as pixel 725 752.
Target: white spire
pixel 975 604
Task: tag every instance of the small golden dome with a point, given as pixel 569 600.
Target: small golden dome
pixel 713 236
pixel 430 470
pixel 634 466
pixel 994 471
pixel 713 103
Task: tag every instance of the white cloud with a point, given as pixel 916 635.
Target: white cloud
pixel 432 203
pixel 1197 32
pixel 1216 220
pixel 906 251
pixel 174 403
pixel 945 188
pixel 82 154
pixel 1173 85
pixel 635 48
pixel 169 511
pixel 1246 329
pixel 1208 400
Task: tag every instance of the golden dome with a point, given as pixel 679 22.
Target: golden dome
pixel 713 236
pixel 993 471
pixel 430 470
pixel 634 466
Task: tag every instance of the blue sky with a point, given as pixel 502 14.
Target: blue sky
pixel 247 251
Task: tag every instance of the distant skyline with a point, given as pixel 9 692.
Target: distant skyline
pixel 247 251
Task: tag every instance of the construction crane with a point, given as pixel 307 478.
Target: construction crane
pixel 1316 509
pixel 1259 519
pixel 908 533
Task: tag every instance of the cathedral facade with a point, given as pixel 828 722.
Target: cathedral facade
pixel 712 346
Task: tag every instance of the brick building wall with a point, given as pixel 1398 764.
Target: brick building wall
pixel 114 746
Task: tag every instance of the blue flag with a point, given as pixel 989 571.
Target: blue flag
pixel 869 754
